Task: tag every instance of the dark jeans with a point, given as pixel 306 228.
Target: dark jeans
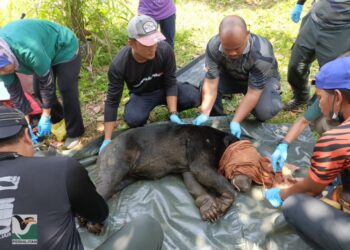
pixel 268 105
pixel 138 108
pixel 67 75
pixel 143 232
pixel 313 42
pixel 167 27
pixel 318 224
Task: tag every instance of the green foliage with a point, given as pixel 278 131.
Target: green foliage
pixel 197 21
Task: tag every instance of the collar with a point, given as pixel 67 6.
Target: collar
pixel 8 156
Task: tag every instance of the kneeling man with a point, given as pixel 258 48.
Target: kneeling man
pixel 238 61
pixel 148 67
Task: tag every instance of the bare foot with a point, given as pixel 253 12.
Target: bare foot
pixel 94 228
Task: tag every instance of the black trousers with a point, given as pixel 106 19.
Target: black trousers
pixel 139 107
pixel 66 75
pixel 314 43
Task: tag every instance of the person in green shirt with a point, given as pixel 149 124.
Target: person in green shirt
pixel 49 52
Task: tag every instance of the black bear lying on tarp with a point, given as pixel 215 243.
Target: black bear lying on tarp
pixel 158 150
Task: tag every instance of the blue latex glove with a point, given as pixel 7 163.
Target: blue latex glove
pixel 32 135
pixel 235 129
pixel 104 144
pixel 279 157
pixel 273 196
pixel 44 125
pixel 176 119
pixel 200 119
pixel 296 12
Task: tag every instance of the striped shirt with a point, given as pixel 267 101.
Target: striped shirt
pixel 331 154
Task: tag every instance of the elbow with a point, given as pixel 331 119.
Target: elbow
pixel 304 122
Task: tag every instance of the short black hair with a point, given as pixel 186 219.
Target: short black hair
pixel 232 21
pixel 13 139
pixel 344 92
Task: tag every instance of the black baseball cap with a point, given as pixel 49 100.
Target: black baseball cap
pixel 11 122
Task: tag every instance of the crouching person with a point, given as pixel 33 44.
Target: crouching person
pixel 147 65
pixel 320 225
pixel 40 196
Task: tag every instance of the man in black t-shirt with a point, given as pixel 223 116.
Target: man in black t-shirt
pixel 147 66
pixel 39 197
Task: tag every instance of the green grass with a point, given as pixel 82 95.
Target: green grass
pixel 197 21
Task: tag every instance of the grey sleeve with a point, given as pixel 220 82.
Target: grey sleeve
pixel 17 96
pixel 211 64
pixel 47 89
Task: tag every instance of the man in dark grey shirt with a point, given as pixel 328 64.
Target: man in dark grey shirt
pixel 147 66
pixel 324 35
pixel 238 61
pixel 39 197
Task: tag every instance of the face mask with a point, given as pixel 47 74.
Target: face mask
pixel 336 118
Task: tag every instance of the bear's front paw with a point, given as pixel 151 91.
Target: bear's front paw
pixel 224 202
pixel 94 228
pixel 81 221
pixel 208 208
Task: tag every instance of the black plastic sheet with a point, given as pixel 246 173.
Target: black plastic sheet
pixel 249 224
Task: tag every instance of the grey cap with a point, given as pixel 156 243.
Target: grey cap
pixel 11 122
pixel 144 29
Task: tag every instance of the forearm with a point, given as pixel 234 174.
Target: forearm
pixel 306 186
pixel 209 94
pixel 47 89
pixel 171 103
pixel 297 128
pixel 109 127
pixel 47 112
pixel 247 104
pixel 17 96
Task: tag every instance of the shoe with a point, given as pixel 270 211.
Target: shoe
pixel 71 142
pixel 294 104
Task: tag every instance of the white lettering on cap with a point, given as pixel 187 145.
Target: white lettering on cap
pixel 149 27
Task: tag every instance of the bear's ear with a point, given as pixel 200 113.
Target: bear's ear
pixel 229 139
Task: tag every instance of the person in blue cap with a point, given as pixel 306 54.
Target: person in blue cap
pixel 323 36
pixel 312 116
pixel 320 225
pixel 50 52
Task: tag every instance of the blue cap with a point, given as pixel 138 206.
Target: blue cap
pixel 334 74
pixel 4 61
